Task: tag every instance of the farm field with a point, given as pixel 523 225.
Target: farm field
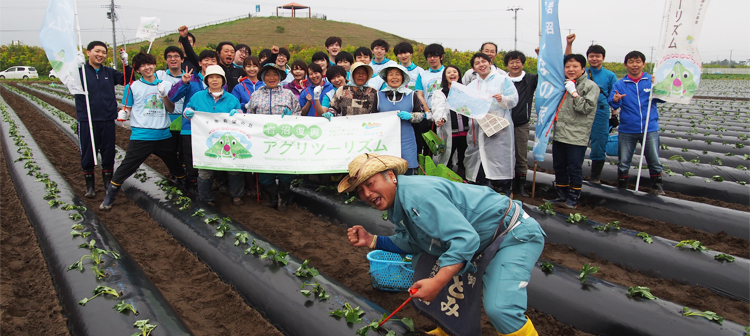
pixel 208 303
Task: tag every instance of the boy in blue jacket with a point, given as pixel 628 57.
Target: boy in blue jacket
pixel 146 101
pixel 100 83
pixel 216 100
pixel 631 95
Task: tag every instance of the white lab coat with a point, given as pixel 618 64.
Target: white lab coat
pixel 440 110
pixel 496 154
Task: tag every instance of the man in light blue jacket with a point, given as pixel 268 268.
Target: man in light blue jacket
pixel 631 95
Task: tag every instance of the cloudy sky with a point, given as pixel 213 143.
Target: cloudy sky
pixel 620 26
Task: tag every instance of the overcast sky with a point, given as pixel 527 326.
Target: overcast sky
pixel 620 26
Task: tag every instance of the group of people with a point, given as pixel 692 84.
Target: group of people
pixel 462 220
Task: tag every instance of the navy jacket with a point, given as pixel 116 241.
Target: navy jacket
pixel 101 89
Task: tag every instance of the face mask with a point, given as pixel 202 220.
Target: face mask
pixel 217 94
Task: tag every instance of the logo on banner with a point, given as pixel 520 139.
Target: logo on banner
pixel 230 145
pixel 678 81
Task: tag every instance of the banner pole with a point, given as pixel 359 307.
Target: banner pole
pixel 643 142
pixel 149 46
pixel 85 85
pixel 533 182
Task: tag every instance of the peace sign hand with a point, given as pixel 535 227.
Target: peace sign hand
pixel 187 76
pixel 618 96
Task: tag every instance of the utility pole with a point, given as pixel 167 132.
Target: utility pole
pixel 515 30
pixel 730 58
pixel 592 42
pixel 570 31
pixel 113 16
pixel 653 64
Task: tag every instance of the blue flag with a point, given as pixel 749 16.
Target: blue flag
pixel 58 37
pixel 551 85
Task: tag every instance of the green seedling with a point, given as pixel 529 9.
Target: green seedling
pixel 324 187
pixel 185 201
pixel 711 316
pixel 724 257
pixel 587 270
pixel 693 244
pixel 78 226
pixel 384 215
pixel 75 216
pixel 241 238
pixel 741 182
pixel 646 237
pixel 614 226
pixel 547 267
pixel 739 145
pixel 145 328
pixel 305 270
pixel 55 202
pixel 317 289
pixel 276 256
pixel 664 146
pixel 141 177
pixel 640 291
pixel 717 178
pixel 198 213
pixel 688 174
pixel 95 256
pixel 255 249
pixel 741 167
pixel 123 307
pixel 677 158
pixel 296 182
pixel 547 208
pixel 351 200
pixel 375 325
pixel 76 233
pixel 696 160
pixel 222 229
pixel 684 149
pixel 74 207
pixel 211 220
pixel 717 161
pixel 99 291
pixel 352 315
pixel 576 218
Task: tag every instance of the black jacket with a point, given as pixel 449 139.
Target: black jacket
pixel 101 89
pixel 522 112
pixel 230 72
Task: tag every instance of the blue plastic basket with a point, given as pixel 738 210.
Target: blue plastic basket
pixel 388 272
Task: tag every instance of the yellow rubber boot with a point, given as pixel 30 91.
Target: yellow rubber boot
pixel 437 332
pixel 527 330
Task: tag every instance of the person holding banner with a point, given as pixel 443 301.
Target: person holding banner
pixel 101 81
pixel 248 84
pixel 356 97
pixel 575 115
pixel 451 224
pixel 317 87
pixel 147 103
pixel 396 96
pixel 631 95
pixel 215 100
pixel 275 100
pixel 447 120
pixel 491 160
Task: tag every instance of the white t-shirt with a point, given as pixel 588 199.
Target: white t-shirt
pixel 428 82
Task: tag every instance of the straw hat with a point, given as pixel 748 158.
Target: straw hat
pixel 366 165
pixel 214 70
pixel 360 64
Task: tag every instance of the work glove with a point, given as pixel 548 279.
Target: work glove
pixel 317 91
pixel 80 60
pixel 162 89
pixel 571 87
pixel 404 115
pixel 233 112
pixel 247 106
pixel 188 113
pixel 122 115
pixel 428 115
pixel 328 115
pixel 286 112
pixel 124 57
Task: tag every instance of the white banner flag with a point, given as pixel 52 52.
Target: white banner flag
pixel 293 144
pixel 58 38
pixel 148 28
pixel 678 65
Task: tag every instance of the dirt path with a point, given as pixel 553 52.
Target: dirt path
pixel 28 301
pixel 206 304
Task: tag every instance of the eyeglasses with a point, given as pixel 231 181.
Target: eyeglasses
pixel 174 57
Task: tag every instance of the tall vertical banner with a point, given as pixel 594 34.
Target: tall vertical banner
pixel 291 145
pixel 551 84
pixel 58 37
pixel 678 68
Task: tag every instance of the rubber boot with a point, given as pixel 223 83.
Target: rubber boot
pixel 106 178
pixel 90 184
pixel 112 192
pixel 527 330
pixel 437 332
pixel 285 194
pixel 506 187
pixel 272 191
pixel 519 186
pixel 657 185
pixel 562 195
pixel 573 195
pixel 622 182
pixel 205 191
pixel 596 171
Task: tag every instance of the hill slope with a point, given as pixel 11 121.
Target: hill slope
pixel 267 31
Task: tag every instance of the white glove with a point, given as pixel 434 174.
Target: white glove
pixel 247 106
pixel 80 60
pixel 124 57
pixel 571 87
pixel 122 115
pixel 317 91
pixel 162 89
pixel 428 115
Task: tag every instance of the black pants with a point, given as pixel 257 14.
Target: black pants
pixel 139 150
pixel 567 161
pixel 104 138
pixel 459 144
pixel 187 157
pixel 419 128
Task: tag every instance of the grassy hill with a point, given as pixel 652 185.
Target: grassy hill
pixel 264 32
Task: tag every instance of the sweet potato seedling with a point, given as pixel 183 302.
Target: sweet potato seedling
pixel 123 307
pixel 184 201
pixel 646 237
pixel 709 315
pixel 641 291
pixel 693 244
pixel 255 249
pixel 724 257
pixel 241 238
pixel 276 256
pixel 547 208
pixel 352 315
pixel 576 218
pixel 587 270
pixel 99 291
pixel 145 328
pixel 305 270
pixel 317 289
pixel 351 200
pixel 547 267
pixel 609 226
pixel 198 213
pixel 222 229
